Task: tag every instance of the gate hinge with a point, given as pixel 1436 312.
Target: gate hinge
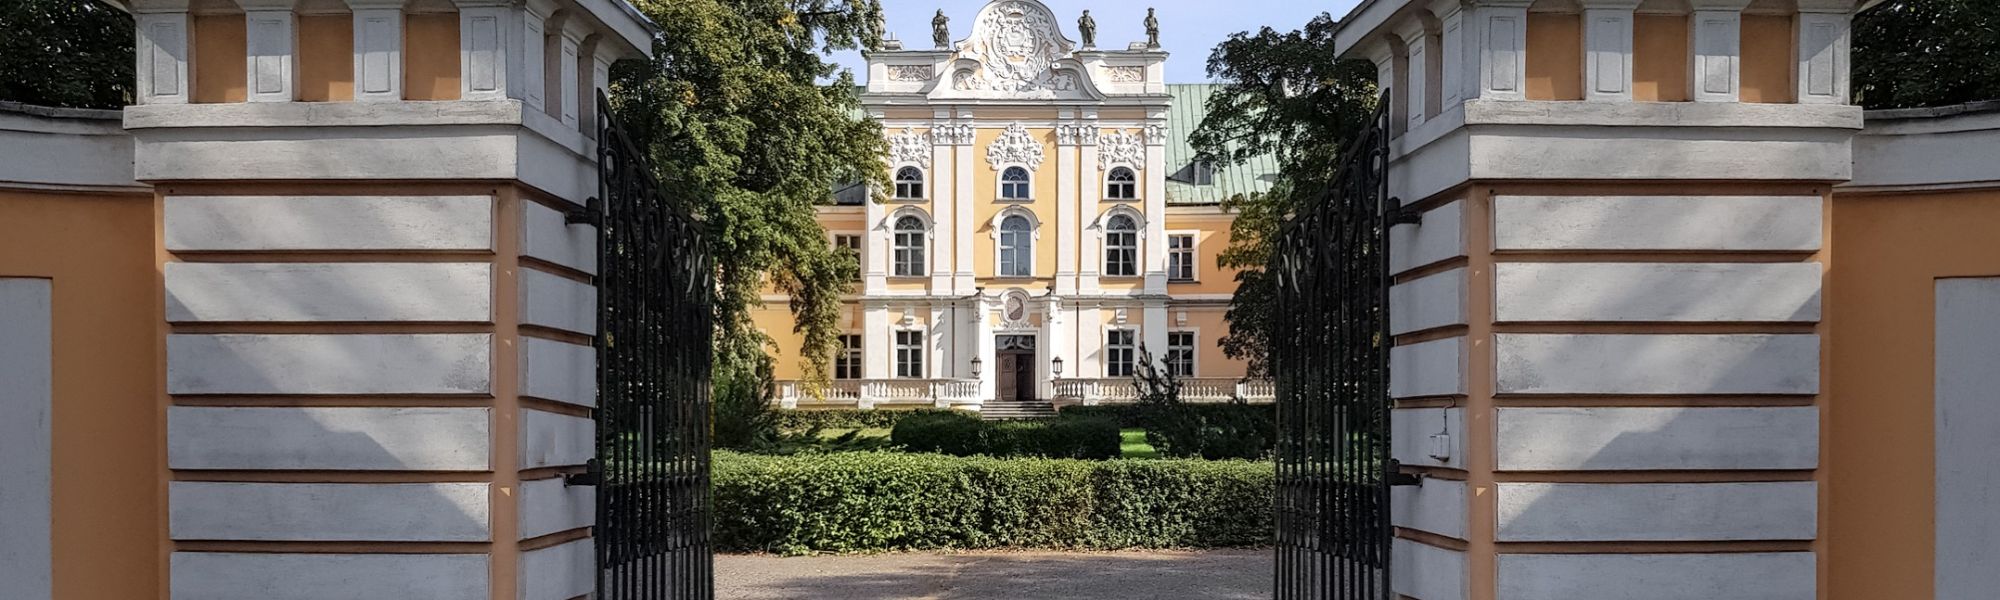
pixel 593 474
pixel 1397 477
pixel 591 213
pixel 1399 214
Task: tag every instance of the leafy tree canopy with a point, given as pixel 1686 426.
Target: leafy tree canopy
pixel 1914 53
pixel 73 53
pixel 741 130
pixel 1287 97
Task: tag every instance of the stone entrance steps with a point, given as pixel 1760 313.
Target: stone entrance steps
pixel 1007 411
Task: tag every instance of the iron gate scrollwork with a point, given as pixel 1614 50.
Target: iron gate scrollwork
pixel 655 319
pixel 1330 357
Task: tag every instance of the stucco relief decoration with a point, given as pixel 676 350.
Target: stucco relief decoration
pixel 1076 135
pixel 1156 134
pixel 1015 147
pixel 1125 74
pixel 909 72
pixel 1016 45
pixel 1121 148
pixel 910 147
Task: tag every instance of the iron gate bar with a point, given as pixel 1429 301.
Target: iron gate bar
pixel 655 319
pixel 1330 355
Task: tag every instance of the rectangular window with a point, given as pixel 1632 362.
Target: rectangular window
pixel 1180 257
pixel 910 253
pixel 851 244
pixel 847 365
pixel 1180 353
pixel 910 354
pixel 1120 349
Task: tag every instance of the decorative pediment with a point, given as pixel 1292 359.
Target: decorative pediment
pixel 1015 50
pixel 910 147
pixel 1015 146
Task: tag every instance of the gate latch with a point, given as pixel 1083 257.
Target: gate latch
pixel 1396 476
pixel 593 474
pixel 591 213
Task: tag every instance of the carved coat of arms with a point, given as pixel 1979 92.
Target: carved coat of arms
pixel 1016 44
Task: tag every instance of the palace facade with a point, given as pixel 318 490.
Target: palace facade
pixel 1049 226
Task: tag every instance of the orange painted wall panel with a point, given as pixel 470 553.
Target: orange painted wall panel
pixel 98 252
pixel 1555 56
pixel 1767 59
pixel 220 74
pixel 430 56
pixel 1660 58
pixel 1878 441
pixel 326 58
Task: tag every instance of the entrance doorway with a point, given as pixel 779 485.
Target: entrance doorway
pixel 1016 372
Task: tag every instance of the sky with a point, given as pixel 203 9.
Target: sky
pixel 1189 29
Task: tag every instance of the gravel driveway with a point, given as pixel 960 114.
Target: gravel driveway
pixel 1222 575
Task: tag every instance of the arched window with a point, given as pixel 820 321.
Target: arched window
pixel 1121 184
pixel 909 183
pixel 1121 247
pixel 909 247
pixel 1014 184
pixel 1017 247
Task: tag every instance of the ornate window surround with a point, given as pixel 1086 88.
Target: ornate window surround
pixel 1103 228
pixel 930 235
pixel 1034 237
pixel 922 183
pixel 1000 185
pixel 1136 188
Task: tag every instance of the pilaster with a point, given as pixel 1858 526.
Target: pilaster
pixel 533 41
pixel 1154 242
pixel 1154 331
pixel 877 353
pixel 982 309
pixel 1607 50
pixel 1069 139
pixel 961 217
pixel 568 58
pixel 1502 34
pixel 270 50
pixel 1717 28
pixel 378 50
pixel 1416 77
pixel 1823 47
pixel 1451 46
pixel 164 52
pixel 1090 240
pixel 488 49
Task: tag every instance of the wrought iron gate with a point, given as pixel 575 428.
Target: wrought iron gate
pixel 1330 355
pixel 655 319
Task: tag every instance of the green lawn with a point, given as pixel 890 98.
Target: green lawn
pixel 1134 444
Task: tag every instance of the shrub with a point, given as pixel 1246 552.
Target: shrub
pixel 964 434
pixel 1181 430
pixel 956 433
pixel 1063 437
pixel 878 501
pixel 847 418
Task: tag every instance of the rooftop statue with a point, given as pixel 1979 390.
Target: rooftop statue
pixel 1152 30
pixel 1088 27
pixel 941 30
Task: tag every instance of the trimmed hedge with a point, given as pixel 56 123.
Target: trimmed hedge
pixel 879 501
pixel 1213 431
pixel 848 418
pixel 964 434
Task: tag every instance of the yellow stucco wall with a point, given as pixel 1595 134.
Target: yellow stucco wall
pixel 1767 59
pixel 1660 58
pixel 108 489
pixel 220 73
pixel 1211 238
pixel 430 56
pixel 986 204
pixel 326 58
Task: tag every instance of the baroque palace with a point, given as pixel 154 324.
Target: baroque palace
pixel 1049 227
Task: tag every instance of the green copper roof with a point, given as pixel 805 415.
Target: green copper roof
pixel 1190 106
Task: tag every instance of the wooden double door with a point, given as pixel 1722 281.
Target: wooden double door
pixel 1016 369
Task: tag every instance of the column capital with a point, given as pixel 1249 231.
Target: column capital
pixel 1707 5
pixel 267 5
pixel 376 4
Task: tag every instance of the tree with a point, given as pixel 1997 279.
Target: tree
pixel 1287 97
pixel 72 53
pixel 1914 53
pixel 743 133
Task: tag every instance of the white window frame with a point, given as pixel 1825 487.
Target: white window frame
pixel 920 352
pixel 1028 186
pixel 897 182
pixel 922 248
pixel 1113 172
pixel 1193 253
pixel 859 354
pixel 1138 249
pixel 1202 173
pixel 1111 362
pixel 1193 352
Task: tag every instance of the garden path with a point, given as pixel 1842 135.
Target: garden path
pixel 1210 574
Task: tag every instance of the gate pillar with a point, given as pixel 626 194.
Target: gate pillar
pixel 1607 327
pixel 378 361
